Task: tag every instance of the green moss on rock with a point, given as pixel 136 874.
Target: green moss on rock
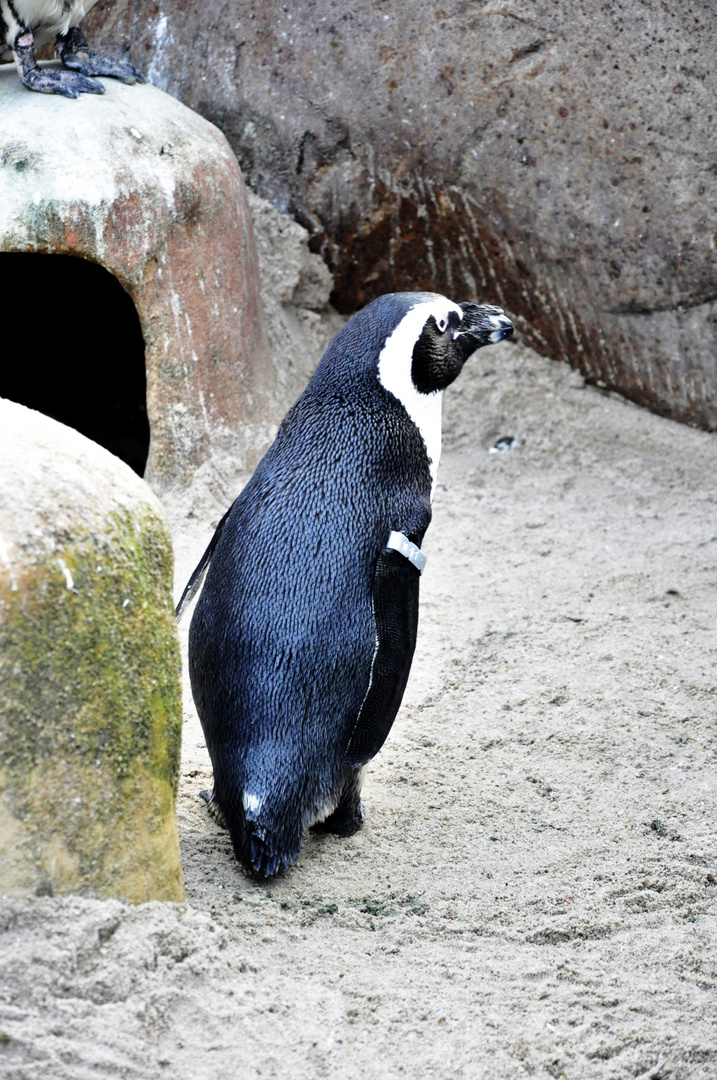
pixel 90 714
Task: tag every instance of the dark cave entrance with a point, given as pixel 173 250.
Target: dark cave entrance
pixel 72 347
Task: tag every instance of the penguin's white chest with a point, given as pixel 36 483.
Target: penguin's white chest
pixel 394 373
pixel 51 16
pixel 426 412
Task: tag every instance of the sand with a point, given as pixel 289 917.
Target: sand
pixel 533 892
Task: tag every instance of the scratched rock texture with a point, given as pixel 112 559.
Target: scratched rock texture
pixel 90 685
pixel 296 286
pixel 135 181
pixel 555 157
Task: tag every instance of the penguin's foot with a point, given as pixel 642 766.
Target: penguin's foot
pixel 75 53
pixel 347 818
pixel 213 807
pixel 69 84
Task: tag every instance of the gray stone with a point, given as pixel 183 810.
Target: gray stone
pixel 295 290
pixel 138 183
pixel 299 323
pixel 90 689
pixel 553 157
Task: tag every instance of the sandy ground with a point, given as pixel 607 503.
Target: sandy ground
pixel 534 888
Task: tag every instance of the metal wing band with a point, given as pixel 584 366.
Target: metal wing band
pixel 398 542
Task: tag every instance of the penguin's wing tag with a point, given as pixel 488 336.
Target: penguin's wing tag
pixel 398 542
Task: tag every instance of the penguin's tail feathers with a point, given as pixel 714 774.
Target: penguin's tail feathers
pixel 263 852
pixel 195 582
pixel 263 843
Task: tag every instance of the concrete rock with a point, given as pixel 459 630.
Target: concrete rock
pixel 554 157
pixel 295 290
pixel 90 691
pixel 299 323
pixel 138 183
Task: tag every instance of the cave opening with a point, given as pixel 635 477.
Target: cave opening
pixel 72 348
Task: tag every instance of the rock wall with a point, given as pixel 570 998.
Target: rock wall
pixel 556 158
pixel 299 322
pixel 90 687
pixel 296 286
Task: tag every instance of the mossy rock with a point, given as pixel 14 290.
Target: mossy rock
pixel 90 688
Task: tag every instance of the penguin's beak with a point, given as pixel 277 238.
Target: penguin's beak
pixel 484 323
pixel 502 327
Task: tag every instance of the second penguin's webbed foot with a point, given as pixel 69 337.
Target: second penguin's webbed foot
pixel 69 84
pixel 75 53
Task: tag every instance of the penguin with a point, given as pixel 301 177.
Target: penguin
pixel 27 23
pixel 302 639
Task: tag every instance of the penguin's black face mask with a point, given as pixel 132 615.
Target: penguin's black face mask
pixel 442 350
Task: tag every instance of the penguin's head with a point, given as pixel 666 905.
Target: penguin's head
pixel 419 342
pixel 449 338
pixel 432 339
pixel 413 345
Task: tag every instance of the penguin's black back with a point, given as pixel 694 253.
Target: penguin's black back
pixel 282 639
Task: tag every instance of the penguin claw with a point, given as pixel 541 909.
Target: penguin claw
pixel 75 53
pixel 90 62
pixel 213 807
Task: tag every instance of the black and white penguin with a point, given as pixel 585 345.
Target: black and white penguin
pixel 302 639
pixel 25 24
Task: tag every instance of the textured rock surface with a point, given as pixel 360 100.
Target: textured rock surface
pixel 135 181
pixel 295 290
pixel 90 699
pixel 299 323
pixel 554 157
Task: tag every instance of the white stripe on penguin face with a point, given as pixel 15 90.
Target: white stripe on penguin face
pixel 394 373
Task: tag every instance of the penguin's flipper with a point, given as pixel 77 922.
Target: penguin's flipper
pixel 195 582
pixel 395 612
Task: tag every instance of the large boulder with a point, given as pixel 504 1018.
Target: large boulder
pixel 140 184
pixel 90 690
pixel 554 157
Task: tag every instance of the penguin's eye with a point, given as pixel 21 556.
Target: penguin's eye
pixel 442 323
